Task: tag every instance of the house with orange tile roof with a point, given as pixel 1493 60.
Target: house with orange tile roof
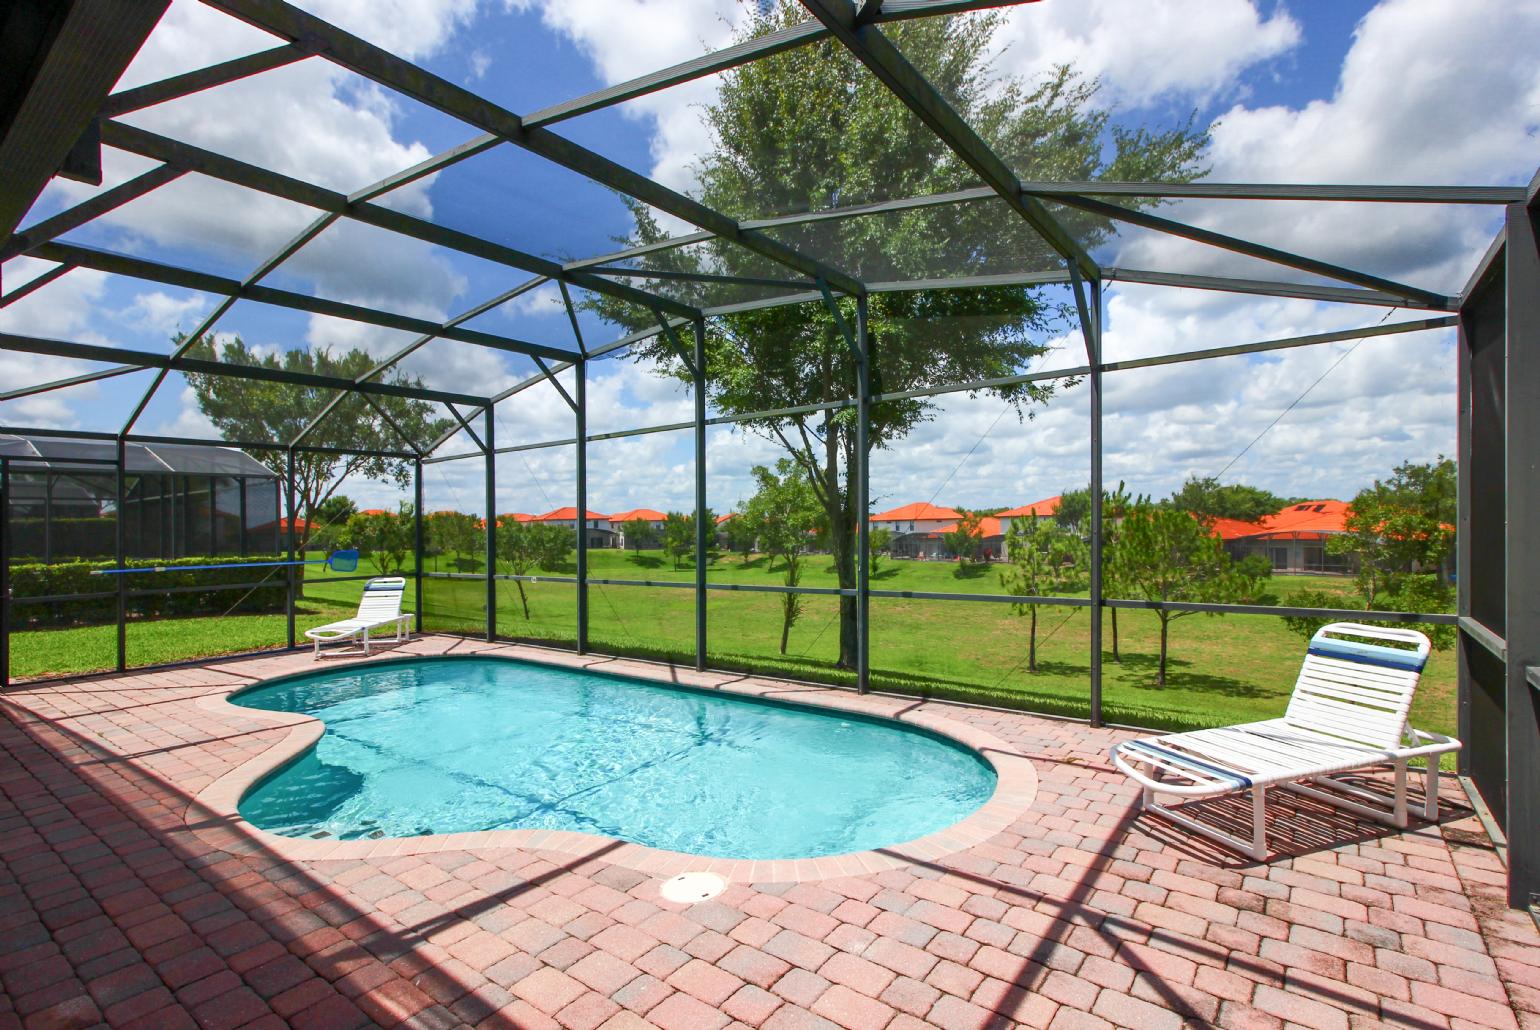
pixel 601 532
pixel 1292 539
pixel 651 516
pixel 1047 508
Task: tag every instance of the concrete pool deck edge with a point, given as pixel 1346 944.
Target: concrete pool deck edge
pixel 215 818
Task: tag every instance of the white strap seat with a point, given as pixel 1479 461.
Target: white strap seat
pixel 1348 712
pixel 379 606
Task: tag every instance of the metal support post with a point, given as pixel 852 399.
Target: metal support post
pixel 580 414
pixel 491 468
pixel 5 573
pixel 417 537
pixel 292 570
pixel 1094 339
pixel 1522 608
pixel 862 472
pixel 701 528
pixel 118 549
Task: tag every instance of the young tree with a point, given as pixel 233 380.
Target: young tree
pixel 526 546
pixel 1209 499
pixel 331 516
pixel 742 533
pixel 1045 559
pixel 245 409
pixel 385 538
pixel 1401 527
pixel 679 536
pixel 451 532
pixel 881 543
pixel 787 513
pixel 1074 511
pixel 1168 555
pixel 811 127
pixel 967 539
pixel 639 534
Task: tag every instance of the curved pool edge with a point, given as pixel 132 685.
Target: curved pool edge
pixel 214 816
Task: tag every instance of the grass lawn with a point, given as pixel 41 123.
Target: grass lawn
pixel 1223 669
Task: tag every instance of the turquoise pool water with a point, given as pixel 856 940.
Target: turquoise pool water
pixel 450 745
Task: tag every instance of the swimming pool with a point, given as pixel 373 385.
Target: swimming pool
pixel 451 745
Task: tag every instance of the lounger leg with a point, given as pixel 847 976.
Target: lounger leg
pixel 1259 823
pixel 366 642
pixel 1430 790
pixel 1400 810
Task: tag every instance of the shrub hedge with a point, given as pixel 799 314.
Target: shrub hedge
pixel 74 577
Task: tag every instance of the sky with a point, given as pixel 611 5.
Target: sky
pixel 1400 91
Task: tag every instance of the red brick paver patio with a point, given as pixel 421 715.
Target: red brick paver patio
pixel 125 900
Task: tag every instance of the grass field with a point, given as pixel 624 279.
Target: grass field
pixel 1223 668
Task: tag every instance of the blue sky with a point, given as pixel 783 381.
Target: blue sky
pixel 1400 91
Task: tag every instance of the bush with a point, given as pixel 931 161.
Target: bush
pixel 74 577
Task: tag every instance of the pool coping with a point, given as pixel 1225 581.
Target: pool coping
pixel 214 816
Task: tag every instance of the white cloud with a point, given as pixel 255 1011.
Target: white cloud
pixel 164 314
pixel 1429 93
pixel 1131 45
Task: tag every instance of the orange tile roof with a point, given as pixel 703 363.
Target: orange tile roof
pixel 567 514
pixel 723 518
pixel 376 511
pixel 918 511
pixel 637 513
pixel 1307 520
pixel 989 526
pixel 1047 506
pixel 516 516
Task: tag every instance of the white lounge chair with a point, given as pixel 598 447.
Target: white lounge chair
pixel 380 606
pixel 1348 712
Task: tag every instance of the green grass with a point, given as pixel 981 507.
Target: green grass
pixel 1223 669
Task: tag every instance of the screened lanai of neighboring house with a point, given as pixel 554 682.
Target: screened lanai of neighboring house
pixel 910 295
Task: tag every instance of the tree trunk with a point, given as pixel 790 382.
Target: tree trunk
pixel 1032 643
pixel 1160 677
pixel 785 625
pixel 524 601
pixel 1115 656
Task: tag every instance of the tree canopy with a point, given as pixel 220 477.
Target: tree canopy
pixel 246 409
pixel 811 127
pixel 1209 499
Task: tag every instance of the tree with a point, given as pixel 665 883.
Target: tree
pixel 1167 555
pixel 1045 559
pixel 331 516
pixel 385 537
pixel 880 543
pixel 452 532
pixel 246 409
pixel 678 536
pixel 1075 510
pixel 786 513
pixel 1401 527
pixel 1209 499
pixel 527 546
pixel 742 533
pixel 639 534
pixel 809 128
pixel 967 539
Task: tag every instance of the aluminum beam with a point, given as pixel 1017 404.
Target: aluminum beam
pixel 175 86
pixel 171 275
pixel 878 53
pixel 72 218
pixel 1268 288
pixel 149 359
pixel 372 62
pixel 358 207
pixel 91 43
pixel 1256 250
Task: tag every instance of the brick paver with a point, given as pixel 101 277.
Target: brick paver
pixel 122 901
